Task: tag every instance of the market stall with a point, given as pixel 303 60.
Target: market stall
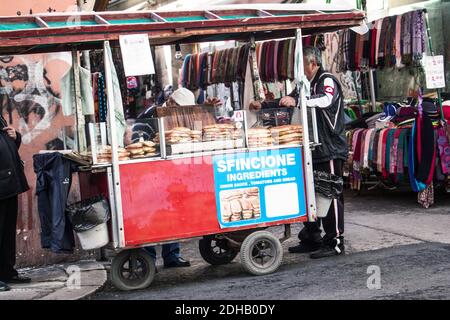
pixel 196 176
pixel 397 142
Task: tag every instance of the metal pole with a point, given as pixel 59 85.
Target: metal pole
pixel 114 146
pixel 309 175
pixel 372 91
pixel 81 137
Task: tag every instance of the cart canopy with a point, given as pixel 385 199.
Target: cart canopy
pixel 66 31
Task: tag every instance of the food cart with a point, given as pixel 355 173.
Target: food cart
pixel 226 192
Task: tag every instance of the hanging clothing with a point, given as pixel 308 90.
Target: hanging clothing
pixel 53 182
pixel 117 98
pixel 418 34
pixel 406 38
pixel 444 150
pixel 68 95
pixel 426 197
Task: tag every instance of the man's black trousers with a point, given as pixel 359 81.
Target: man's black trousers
pixel 8 222
pixel 333 223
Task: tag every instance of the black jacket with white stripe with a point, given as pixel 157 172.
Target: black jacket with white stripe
pixel 327 97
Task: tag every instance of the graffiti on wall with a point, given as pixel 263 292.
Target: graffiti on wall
pixel 27 91
pixel 30 102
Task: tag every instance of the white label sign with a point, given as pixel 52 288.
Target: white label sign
pixel 136 55
pixel 434 72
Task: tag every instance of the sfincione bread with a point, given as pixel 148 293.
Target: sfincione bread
pixel 149 149
pixel 138 156
pixel 181 129
pixel 291 141
pixel 124 154
pixel 149 144
pixel 136 151
pixel 136 145
pixel 291 136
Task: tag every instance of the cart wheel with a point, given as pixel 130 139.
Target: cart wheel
pixel 261 253
pixel 216 251
pixel 132 270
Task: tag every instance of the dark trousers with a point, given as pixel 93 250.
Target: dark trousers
pixel 333 223
pixel 8 222
pixel 170 252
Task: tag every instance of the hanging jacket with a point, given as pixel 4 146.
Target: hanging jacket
pixel 53 182
pixel 12 176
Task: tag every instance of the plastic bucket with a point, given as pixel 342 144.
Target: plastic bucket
pixel 94 238
pixel 323 205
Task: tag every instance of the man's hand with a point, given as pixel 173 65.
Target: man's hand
pixel 214 101
pixel 11 132
pixel 287 102
pixel 255 106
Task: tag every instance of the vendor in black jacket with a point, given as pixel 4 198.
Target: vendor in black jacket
pixel 327 98
pixel 12 183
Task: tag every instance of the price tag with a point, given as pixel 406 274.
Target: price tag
pixel 434 71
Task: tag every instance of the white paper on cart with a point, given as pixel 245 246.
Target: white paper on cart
pixel 136 55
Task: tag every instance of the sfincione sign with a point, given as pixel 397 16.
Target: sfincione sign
pixel 260 186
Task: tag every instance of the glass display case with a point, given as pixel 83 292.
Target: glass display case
pixel 194 129
pixel 137 142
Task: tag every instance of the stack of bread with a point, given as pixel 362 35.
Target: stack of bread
pixel 141 150
pixel 178 135
pixel 132 151
pixel 247 208
pixel 239 205
pixel 219 131
pixel 253 197
pixel 124 154
pixel 104 154
pixel 225 210
pixel 236 210
pixel 287 134
pixel 136 150
pixel 196 135
pixel 259 137
pixel 149 148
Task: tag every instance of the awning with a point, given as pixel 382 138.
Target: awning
pixel 66 31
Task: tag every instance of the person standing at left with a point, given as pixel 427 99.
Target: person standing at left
pixel 12 183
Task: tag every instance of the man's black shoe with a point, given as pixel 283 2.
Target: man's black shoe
pixel 179 263
pixel 4 287
pixel 19 279
pixel 328 251
pixel 304 248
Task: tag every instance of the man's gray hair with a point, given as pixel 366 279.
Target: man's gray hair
pixel 312 54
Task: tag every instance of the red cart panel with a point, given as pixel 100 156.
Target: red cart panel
pixel 170 200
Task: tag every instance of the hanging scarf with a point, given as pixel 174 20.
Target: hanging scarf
pixel 406 39
pixel 418 35
pixel 444 150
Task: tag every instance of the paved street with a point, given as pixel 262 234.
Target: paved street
pixel 409 244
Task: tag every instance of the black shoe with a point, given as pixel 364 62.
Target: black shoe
pixel 304 248
pixel 4 287
pixel 328 251
pixel 179 263
pixel 19 279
